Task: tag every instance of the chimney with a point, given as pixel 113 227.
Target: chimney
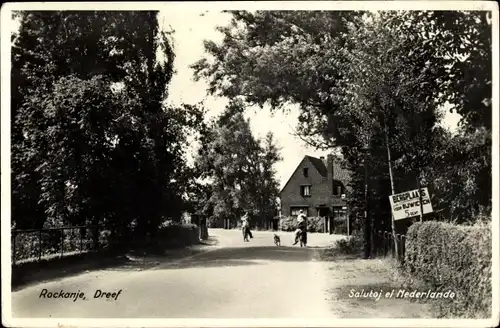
pixel 329 173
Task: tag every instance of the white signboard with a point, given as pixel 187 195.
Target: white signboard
pixel 407 204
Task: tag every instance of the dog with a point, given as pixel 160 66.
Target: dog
pixel 277 240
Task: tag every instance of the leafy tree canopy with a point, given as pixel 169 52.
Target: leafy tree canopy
pixel 92 138
pixel 376 79
pixel 229 157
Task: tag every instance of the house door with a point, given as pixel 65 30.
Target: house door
pixel 275 225
pixel 323 213
pixel 340 219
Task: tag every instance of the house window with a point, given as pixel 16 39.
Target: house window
pixel 305 171
pixel 305 191
pixel 340 213
pixel 294 211
pixel 336 188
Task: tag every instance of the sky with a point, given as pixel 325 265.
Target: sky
pixel 188 43
pixel 190 29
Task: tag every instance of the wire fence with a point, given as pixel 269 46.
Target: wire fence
pixel 385 246
pixel 37 244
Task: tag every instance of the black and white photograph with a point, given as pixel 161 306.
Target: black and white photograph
pixel 244 164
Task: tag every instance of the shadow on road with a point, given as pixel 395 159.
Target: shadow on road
pixel 133 260
pixel 203 263
pixel 175 259
pixel 234 256
pixel 25 278
pixel 211 241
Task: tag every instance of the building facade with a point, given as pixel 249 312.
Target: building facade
pixel 318 187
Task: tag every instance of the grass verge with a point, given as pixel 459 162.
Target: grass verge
pixel 359 288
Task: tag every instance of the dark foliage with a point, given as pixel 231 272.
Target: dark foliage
pixel 92 141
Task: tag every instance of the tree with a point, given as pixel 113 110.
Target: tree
pixel 370 79
pixel 462 45
pixel 92 138
pixel 79 143
pixel 240 167
pixel 461 178
pixel 281 57
pixel 390 92
pixel 462 41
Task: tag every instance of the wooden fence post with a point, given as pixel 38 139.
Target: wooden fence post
pixel 40 245
pixel 62 242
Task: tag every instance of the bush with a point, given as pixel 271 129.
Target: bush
pixel 314 224
pixel 215 222
pixel 353 245
pixel 167 223
pixel 340 230
pixel 178 235
pixel 340 226
pixel 288 223
pixel 445 257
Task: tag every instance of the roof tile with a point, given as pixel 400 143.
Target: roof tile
pixel 318 164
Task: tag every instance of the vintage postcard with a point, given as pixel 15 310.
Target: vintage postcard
pixel 262 164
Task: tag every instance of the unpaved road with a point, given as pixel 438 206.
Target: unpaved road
pixel 232 279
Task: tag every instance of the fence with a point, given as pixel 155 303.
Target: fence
pixel 384 244
pixel 36 244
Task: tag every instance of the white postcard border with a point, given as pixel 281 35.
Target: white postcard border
pixel 248 5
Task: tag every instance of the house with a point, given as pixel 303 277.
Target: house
pixel 318 187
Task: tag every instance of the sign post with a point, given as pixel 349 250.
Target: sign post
pixel 410 204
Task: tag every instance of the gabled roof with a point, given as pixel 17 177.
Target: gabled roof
pixel 318 164
pixel 339 173
pixel 284 186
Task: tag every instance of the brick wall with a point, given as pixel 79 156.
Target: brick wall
pixel 321 191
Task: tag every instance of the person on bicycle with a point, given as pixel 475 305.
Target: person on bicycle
pixel 301 227
pixel 246 226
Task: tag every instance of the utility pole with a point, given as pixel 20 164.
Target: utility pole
pixel 417 159
pixel 393 224
pixel 367 225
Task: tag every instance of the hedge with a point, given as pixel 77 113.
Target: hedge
pixel 314 224
pixel 27 244
pixel 340 226
pixel 352 245
pixel 170 235
pixel 178 235
pixel 450 257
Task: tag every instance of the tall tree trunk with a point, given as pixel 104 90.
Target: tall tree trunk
pixel 368 240
pixel 414 135
pixel 393 224
pixel 420 194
